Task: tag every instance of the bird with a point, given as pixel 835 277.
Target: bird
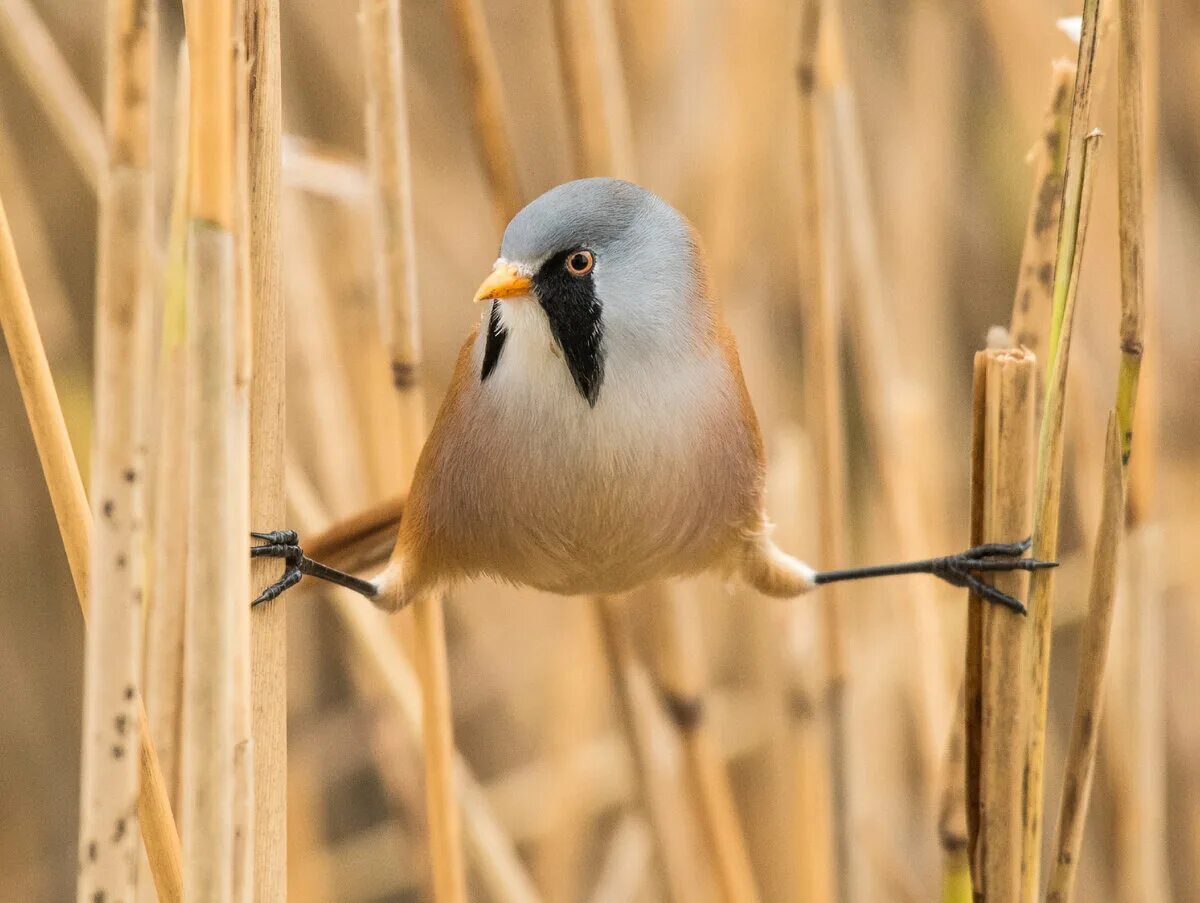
pixel 597 433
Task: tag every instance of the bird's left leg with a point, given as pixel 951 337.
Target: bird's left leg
pixel 285 544
pixel 958 570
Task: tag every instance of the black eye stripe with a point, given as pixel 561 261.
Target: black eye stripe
pixel 574 312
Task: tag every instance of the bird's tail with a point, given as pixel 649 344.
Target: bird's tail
pixel 361 542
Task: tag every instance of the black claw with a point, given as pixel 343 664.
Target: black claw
pixel 999 549
pixel 991 594
pixel 279 544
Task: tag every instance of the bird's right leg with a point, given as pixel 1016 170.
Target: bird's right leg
pixel 285 544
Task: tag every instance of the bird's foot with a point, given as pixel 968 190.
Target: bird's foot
pixel 961 569
pixel 283 544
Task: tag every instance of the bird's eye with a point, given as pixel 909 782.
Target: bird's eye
pixel 580 263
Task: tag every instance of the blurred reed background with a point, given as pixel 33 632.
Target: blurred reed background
pixel 863 194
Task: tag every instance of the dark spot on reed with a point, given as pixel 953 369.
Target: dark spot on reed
pixel 98 897
pixel 108 508
pixel 806 78
pixel 1026 300
pixel 130 475
pixel 130 691
pixel 118 830
pixel 92 851
pixel 122 561
pixel 1045 275
pixel 686 711
pixel 404 376
pixel 121 723
pixel 1048 202
pixel 118 751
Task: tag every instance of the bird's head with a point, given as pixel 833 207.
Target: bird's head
pixel 610 269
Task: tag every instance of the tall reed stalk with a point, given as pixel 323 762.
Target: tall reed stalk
pixel 396 284
pixel 268 623
pixel 218 588
pixel 492 133
pixel 1072 228
pixel 113 655
pixel 996 699
pixel 70 504
pixel 823 406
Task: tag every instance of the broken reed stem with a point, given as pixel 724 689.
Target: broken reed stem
pixel 492 135
pixel 218 587
pixel 593 84
pixel 74 523
pixel 32 50
pixel 1001 486
pixel 268 623
pixel 108 854
pixel 681 657
pixel 1089 696
pixel 823 401
pixel 167 600
pixel 1030 320
pixel 1047 498
pixel 395 255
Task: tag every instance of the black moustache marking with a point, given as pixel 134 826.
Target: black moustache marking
pixel 573 310
pixel 496 335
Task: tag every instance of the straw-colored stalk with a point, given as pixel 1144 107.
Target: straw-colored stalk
pixel 218 587
pixel 823 402
pixel 113 666
pixel 1035 280
pixel 492 133
pixel 624 870
pixel 167 600
pixel 681 657
pixel 952 813
pixel 268 624
pixel 1048 491
pixel 886 396
pixel 593 85
pixel 395 256
pixel 635 712
pixel 500 870
pixel 1089 696
pixel 1002 466
pixel 30 46
pixel 74 523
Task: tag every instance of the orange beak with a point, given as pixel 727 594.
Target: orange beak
pixel 505 281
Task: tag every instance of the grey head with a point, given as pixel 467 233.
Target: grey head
pixel 614 268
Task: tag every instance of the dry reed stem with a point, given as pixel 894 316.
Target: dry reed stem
pixel 1089 696
pixel 635 711
pixel 1035 280
pixel 681 658
pixel 492 133
pixel 1001 482
pixel 625 868
pixel 268 623
pixel 108 854
pixel 218 568
pixel 500 869
pixel 885 393
pixel 593 84
pixel 823 402
pixel 37 58
pixel 1048 493
pixel 167 600
pixel 74 523
pixel 323 172
pixel 395 255
pixel 952 812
